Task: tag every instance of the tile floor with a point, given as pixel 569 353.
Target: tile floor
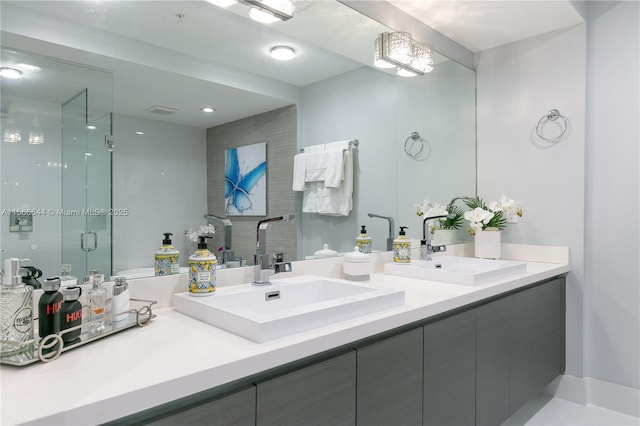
pixel 545 410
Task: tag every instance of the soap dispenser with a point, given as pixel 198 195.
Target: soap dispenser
pixel 202 270
pixel 16 306
pixel 167 258
pixel 402 248
pixel 363 241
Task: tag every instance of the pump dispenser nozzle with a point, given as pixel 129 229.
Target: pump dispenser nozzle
pixel 202 243
pixel 402 230
pixel 167 238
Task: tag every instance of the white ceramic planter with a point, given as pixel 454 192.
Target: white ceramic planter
pixel 487 244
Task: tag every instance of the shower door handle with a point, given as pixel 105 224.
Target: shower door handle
pixel 84 239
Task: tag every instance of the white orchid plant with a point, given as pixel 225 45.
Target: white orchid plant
pixel 203 231
pixel 428 208
pixel 491 217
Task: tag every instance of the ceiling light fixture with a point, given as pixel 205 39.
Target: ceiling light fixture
pixel 270 11
pixel 207 109
pixel 11 136
pixel 139 133
pixel 91 127
pixel 399 50
pixel 10 72
pixel 36 138
pixel 283 53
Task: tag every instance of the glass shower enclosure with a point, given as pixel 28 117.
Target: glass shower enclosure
pixel 55 164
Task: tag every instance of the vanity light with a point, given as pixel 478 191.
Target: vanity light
pixel 10 72
pixel 36 138
pixel 400 50
pixel 283 53
pixel 405 73
pixel 207 109
pixel 270 11
pixel 11 136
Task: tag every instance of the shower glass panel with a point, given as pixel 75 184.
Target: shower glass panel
pixel 86 188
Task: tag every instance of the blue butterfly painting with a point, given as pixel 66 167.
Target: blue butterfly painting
pixel 245 168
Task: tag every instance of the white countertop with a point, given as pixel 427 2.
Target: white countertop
pixel 176 356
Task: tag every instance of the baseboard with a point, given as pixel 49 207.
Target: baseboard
pixel 588 390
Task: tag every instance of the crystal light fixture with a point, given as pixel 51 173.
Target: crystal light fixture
pixel 36 138
pixel 11 136
pixel 399 50
pixel 269 11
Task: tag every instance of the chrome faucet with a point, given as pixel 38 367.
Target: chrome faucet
pixel 426 249
pixel 227 234
pixel 391 228
pixel 264 266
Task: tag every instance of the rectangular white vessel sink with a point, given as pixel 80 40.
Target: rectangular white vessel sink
pixel 286 306
pixel 457 270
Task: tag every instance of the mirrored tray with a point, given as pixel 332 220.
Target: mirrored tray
pixel 50 347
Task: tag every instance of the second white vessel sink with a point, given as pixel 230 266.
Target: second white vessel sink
pixel 287 306
pixel 457 270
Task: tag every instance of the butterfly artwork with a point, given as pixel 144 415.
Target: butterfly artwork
pixel 245 188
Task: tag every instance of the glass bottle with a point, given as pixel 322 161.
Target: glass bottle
pixel 16 313
pixel 65 278
pixel 120 301
pixel 97 304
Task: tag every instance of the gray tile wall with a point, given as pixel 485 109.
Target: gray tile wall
pixel 278 129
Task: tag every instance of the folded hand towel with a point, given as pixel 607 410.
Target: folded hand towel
pixel 299 170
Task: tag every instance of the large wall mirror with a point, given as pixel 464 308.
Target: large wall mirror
pixel 163 61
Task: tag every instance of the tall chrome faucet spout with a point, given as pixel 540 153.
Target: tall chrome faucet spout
pixel 226 223
pixel 392 226
pixel 426 249
pixel 264 267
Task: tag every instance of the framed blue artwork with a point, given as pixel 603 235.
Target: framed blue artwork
pixel 245 180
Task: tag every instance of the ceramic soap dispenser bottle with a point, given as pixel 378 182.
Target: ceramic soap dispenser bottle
pixel 402 248
pixel 363 241
pixel 202 270
pixel 167 258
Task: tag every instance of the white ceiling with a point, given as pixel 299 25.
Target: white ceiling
pixel 220 58
pixel 481 25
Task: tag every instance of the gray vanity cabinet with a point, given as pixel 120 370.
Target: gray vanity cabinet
pixel 537 340
pixel 236 409
pixel 321 394
pixel 492 362
pixel 450 370
pixel 389 389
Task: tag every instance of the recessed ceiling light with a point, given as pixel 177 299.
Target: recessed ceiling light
pixel 91 127
pixel 283 53
pixel 10 72
pixel 207 109
pixel 29 67
pixel 139 133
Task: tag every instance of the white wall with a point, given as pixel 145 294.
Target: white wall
pixel 356 105
pixel 517 84
pixel 161 177
pixel 612 275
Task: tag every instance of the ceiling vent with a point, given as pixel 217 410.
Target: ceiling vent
pixel 162 110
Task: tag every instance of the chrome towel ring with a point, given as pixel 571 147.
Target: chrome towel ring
pixel 552 115
pixel 414 146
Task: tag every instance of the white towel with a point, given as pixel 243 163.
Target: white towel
pixel 329 179
pixel 335 168
pixel 299 170
pixel 339 201
pixel 316 166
